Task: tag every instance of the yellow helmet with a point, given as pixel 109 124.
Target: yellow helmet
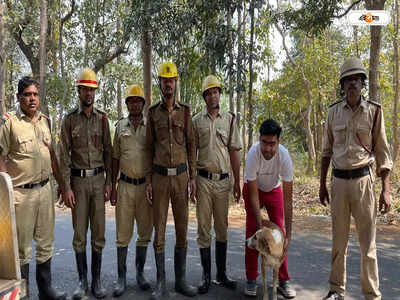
pixel 87 77
pixel 210 82
pixel 168 70
pixel 352 66
pixel 134 90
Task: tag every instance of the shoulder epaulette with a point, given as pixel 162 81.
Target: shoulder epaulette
pixel 4 118
pixel 184 104
pixel 116 123
pixel 335 103
pixel 155 105
pixel 374 103
pixel 100 111
pixel 46 117
pixel 72 111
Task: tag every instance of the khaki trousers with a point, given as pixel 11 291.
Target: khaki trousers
pixel 132 205
pixel 166 188
pixel 34 212
pixel 89 209
pixel 354 197
pixel 212 201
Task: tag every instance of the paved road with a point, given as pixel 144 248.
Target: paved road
pixel 309 263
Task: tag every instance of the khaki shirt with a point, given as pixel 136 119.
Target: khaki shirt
pixel 348 136
pixel 212 138
pixel 83 144
pixel 166 140
pixel 129 148
pixel 23 143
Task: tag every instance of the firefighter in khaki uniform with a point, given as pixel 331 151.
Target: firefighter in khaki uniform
pixel 86 153
pixel 171 144
pixel 354 138
pixel 26 153
pixel 218 143
pixel 129 157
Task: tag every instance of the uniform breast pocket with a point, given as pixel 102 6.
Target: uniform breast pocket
pixel 178 132
pixel 97 139
pixel 124 139
pixel 364 135
pixel 204 135
pixel 76 136
pixel 339 134
pixel 223 136
pixel 25 144
pixel 162 131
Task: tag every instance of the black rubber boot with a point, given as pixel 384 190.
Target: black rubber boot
pixel 121 283
pixel 180 273
pixel 220 258
pixel 81 264
pixel 205 255
pixel 140 261
pixel 43 280
pixel 25 275
pixel 160 291
pixel 97 289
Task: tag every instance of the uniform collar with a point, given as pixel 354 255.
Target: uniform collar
pixel 363 103
pixel 206 114
pixel 20 114
pixel 80 110
pixel 176 104
pixel 142 121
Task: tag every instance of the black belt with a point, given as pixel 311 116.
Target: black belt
pixel 351 174
pixel 32 185
pixel 86 172
pixel 212 176
pixel 135 181
pixel 170 171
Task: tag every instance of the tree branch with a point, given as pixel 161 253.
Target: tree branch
pixel 348 9
pixel 284 46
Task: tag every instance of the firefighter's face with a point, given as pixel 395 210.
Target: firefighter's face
pixel 135 105
pixel 29 100
pixel 86 95
pixel 212 96
pixel 168 86
pixel 352 85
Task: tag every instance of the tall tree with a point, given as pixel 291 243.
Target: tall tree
pixel 251 70
pixel 396 82
pixel 2 61
pixel 42 57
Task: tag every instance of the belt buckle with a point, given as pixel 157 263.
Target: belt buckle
pixel 90 172
pixel 215 176
pixel 171 171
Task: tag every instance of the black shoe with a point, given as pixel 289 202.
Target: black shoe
pixel 43 280
pixel 82 288
pixel 220 258
pixel 205 255
pixel 121 283
pixel 25 275
pixel 333 295
pixel 140 261
pixel 160 291
pixel 97 289
pixel 180 273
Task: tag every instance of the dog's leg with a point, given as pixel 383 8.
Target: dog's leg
pixel 275 284
pixel 264 275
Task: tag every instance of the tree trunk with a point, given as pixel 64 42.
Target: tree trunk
pixel 307 126
pixel 230 11
pixel 119 92
pixel 239 67
pixel 250 100
pixel 396 84
pixel 42 57
pixel 146 56
pixel 374 51
pixel 2 62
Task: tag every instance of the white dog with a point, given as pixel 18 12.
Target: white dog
pixel 269 241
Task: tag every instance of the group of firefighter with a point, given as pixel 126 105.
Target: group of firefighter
pixel 171 157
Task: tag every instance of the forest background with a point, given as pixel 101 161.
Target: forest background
pixel 278 59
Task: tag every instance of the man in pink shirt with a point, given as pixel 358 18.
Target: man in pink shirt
pixel 267 164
